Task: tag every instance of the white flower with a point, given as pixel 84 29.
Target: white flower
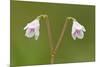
pixel 77 30
pixel 32 29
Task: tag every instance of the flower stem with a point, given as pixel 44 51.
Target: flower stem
pixel 50 39
pixel 54 50
pixel 58 43
pixel 61 36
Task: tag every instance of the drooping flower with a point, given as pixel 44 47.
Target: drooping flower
pixel 77 30
pixel 32 29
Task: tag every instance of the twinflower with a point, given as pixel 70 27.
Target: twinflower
pixel 32 29
pixel 77 30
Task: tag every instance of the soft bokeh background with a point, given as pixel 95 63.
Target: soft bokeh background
pixel 26 51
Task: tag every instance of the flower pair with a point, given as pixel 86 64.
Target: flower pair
pixel 32 29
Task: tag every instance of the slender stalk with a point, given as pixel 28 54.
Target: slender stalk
pixel 50 39
pixel 49 33
pixel 59 41
pixel 61 36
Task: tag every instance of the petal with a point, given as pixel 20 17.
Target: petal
pixel 81 35
pixel 32 24
pixel 73 31
pixel 29 33
pixel 77 25
pixel 73 27
pixel 35 23
pixel 26 26
pixel 74 36
pixel 37 31
pixel 83 28
pixel 37 35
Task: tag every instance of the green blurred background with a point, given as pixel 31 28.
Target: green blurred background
pixel 26 51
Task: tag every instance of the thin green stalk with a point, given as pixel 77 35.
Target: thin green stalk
pixel 59 41
pixel 50 39
pixel 61 36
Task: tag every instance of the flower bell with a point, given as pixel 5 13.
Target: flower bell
pixel 32 29
pixel 77 30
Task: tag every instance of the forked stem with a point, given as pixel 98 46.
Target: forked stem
pixel 59 41
pixel 54 50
